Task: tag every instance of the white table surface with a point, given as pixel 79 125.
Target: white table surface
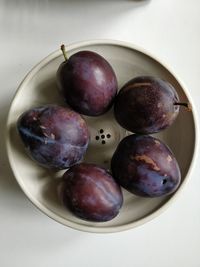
pixel 30 30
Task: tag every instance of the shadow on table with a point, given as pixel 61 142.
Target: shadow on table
pixel 27 3
pixel 72 1
pixel 68 16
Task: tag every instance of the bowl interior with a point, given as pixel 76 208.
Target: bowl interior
pixel 40 87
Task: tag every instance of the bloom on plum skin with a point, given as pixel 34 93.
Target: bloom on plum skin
pixel 54 136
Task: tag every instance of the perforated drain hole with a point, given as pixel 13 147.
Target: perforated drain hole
pixel 164 181
pixel 102 137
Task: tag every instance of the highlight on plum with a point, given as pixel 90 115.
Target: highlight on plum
pixel 54 136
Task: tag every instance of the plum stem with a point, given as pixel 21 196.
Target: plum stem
pixel 64 51
pixel 184 104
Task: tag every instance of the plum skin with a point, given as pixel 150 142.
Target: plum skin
pixel 54 136
pixel 88 83
pixel 146 105
pixel 91 193
pixel 145 166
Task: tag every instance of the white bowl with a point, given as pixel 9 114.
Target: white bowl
pixel 40 185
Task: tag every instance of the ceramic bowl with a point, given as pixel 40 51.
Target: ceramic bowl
pixel 39 87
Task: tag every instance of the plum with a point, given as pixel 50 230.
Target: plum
pixel 91 193
pixel 54 136
pixel 147 104
pixel 87 82
pixel 145 166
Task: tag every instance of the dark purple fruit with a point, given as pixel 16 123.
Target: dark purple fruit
pixel 146 105
pixel 145 166
pixel 88 82
pixel 54 136
pixel 91 193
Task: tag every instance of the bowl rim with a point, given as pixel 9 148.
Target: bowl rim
pixel 79 226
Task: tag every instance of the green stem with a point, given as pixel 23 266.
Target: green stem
pixel 64 51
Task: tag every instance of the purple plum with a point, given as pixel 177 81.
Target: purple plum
pixel 147 104
pixel 88 83
pixel 145 166
pixel 91 193
pixel 54 136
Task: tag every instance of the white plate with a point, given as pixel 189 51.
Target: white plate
pixel 39 87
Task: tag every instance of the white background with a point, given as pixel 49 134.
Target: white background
pixel 29 31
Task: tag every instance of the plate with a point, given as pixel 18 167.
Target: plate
pixel 39 87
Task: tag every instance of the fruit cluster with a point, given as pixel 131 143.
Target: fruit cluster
pixel 57 137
